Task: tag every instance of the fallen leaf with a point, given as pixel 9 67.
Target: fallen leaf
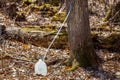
pixel 25 46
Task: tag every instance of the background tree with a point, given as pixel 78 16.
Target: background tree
pixel 113 13
pixel 80 42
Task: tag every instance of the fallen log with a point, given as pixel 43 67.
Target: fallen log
pixel 37 38
pixel 40 38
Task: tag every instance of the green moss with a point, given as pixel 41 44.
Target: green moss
pixel 27 2
pixel 62 38
pixel 94 34
pixel 83 58
pixel 47 28
pixel 55 2
pixel 28 29
pixel 55 9
pixel 59 17
pixel 67 62
pixel 35 7
pixel 45 7
pixel 108 14
pixel 110 39
pixel 75 65
pixel 106 42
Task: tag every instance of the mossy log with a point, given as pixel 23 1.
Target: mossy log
pixel 59 17
pixel 45 9
pixel 110 42
pixel 40 38
pixel 35 37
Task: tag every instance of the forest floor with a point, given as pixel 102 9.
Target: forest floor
pixel 17 59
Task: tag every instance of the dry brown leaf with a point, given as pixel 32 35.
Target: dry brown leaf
pixel 25 46
pixel 44 78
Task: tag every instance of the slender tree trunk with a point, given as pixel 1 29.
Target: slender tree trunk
pixel 80 42
pixel 113 13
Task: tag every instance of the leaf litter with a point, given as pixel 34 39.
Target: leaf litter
pixel 17 59
pixel 18 63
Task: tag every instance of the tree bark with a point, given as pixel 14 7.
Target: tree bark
pixel 80 42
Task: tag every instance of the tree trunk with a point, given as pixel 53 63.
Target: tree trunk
pixel 80 42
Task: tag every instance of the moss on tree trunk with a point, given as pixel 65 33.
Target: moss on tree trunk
pixel 81 46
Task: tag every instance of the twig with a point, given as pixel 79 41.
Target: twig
pixel 9 56
pixel 112 18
